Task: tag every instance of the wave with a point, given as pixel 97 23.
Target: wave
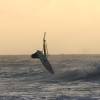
pixel 14 98
pixel 89 72
pixel 64 97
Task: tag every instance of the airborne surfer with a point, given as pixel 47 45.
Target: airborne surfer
pixel 42 55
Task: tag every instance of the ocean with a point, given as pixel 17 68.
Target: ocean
pixel 77 77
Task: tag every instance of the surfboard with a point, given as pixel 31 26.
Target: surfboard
pixel 46 64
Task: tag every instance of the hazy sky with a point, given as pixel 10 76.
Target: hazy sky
pixel 72 26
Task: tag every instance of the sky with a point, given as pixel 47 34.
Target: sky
pixel 72 26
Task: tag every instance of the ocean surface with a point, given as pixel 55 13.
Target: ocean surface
pixel 77 77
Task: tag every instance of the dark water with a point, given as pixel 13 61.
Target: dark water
pixel 77 77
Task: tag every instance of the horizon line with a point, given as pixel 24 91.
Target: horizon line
pixel 52 54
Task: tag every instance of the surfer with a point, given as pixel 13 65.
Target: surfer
pixel 42 55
